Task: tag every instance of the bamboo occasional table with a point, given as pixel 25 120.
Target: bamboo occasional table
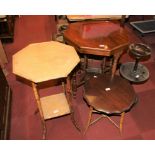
pixel 40 62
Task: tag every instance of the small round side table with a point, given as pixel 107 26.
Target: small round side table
pixel 109 96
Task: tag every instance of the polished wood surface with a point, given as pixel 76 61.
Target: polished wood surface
pixel 96 37
pixel 102 38
pixel 45 61
pixel 109 96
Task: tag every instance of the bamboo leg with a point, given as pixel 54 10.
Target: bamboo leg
pixel 39 108
pixel 89 119
pixel 121 122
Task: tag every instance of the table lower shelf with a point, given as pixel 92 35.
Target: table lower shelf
pixel 55 105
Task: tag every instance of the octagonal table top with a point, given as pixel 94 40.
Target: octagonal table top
pixel 45 61
pixel 96 37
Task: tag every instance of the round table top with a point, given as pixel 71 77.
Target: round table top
pixel 45 61
pixel 110 96
pixel 140 50
pixel 96 37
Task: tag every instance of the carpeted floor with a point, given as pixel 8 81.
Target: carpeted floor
pixel 138 123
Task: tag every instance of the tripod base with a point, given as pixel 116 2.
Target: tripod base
pixel 140 75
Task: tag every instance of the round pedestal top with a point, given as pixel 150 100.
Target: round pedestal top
pixel 140 50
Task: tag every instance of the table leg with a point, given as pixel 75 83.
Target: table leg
pixel 85 63
pixel 34 86
pixel 69 99
pixel 103 65
pixel 74 84
pixel 121 122
pixel 84 68
pixel 114 66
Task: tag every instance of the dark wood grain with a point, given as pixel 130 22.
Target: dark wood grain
pixel 87 37
pixel 102 38
pixel 109 96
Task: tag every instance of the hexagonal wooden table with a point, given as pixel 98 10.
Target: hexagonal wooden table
pixel 98 38
pixel 39 62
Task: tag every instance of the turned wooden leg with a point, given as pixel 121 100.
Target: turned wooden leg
pixel 85 65
pixel 44 131
pixel 69 99
pixel 114 66
pixel 85 62
pixel 121 122
pixel 74 85
pixel 103 63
